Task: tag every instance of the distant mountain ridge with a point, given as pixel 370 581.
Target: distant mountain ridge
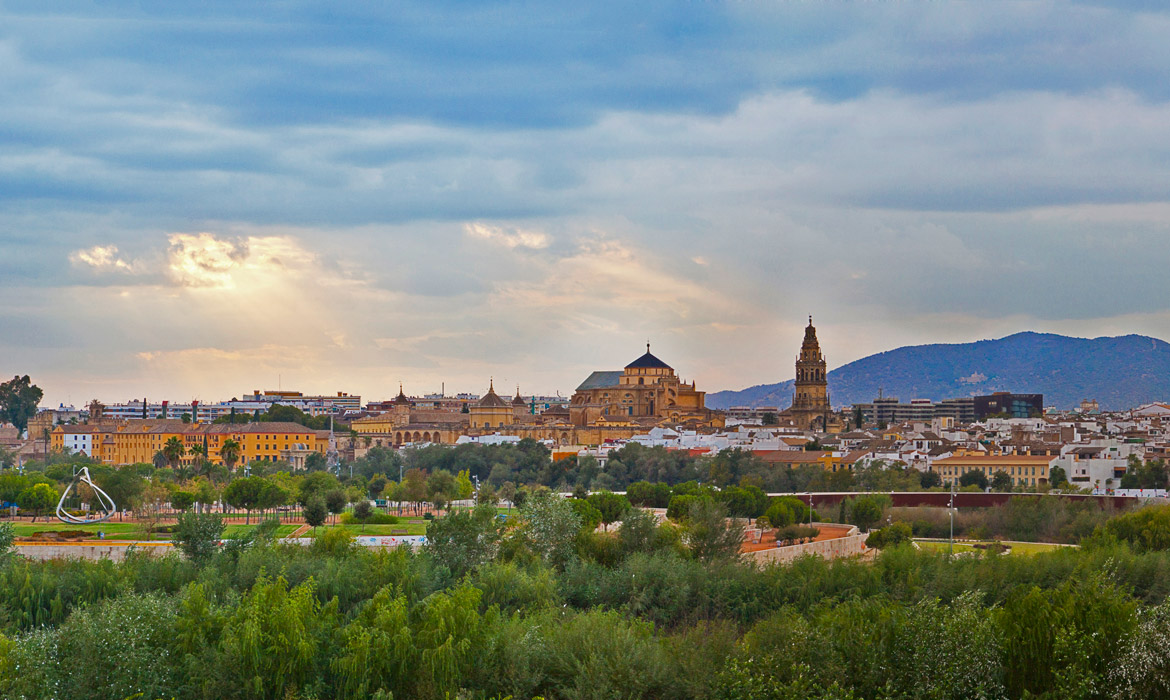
pixel 1119 372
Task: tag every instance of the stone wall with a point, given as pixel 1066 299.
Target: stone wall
pixel 851 545
pixel 63 550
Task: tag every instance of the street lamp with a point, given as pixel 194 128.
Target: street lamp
pixel 951 512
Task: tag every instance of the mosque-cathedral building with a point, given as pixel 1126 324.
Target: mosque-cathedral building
pixel 609 405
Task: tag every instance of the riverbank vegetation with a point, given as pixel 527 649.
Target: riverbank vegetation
pixel 537 605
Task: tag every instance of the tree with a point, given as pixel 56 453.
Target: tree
pixel 463 540
pixel 890 536
pixel 441 488
pixel 18 401
pixel 245 493
pixel 1057 478
pixel 174 451
pixel 508 493
pixel 7 537
pixel 37 499
pixel 316 484
pixel 1001 481
pixel 376 486
pixel 549 527
pixel 864 512
pixel 930 480
pixel 590 516
pixel 336 501
pixel 858 417
pixel 709 535
pixel 124 486
pixel 182 500
pixel 315 462
pixel 186 418
pixel 779 514
pixel 612 506
pixel 229 452
pixel 197 534
pixel 463 487
pixel 744 501
pixel 315 512
pixel 160 459
pixel 362 510
pixel 974 477
pixel 770 418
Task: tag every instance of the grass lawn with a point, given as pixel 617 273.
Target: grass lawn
pixel 234 530
pixel 1020 548
pixel 944 547
pixel 1032 547
pixel 403 528
pixel 112 530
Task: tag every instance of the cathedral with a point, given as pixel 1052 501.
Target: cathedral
pixel 810 398
pixel 646 392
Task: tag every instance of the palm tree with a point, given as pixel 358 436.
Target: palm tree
pixel 199 453
pixel 174 450
pixel 160 459
pixel 230 453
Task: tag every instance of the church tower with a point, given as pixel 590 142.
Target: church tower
pixel 810 398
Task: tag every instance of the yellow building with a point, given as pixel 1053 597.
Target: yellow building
pixel 137 441
pixel 1025 470
pixel 491 411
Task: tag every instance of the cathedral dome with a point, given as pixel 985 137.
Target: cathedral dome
pixel 648 361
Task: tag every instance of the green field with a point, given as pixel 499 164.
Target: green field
pixel 413 527
pixel 112 530
pixel 1020 548
pixel 944 547
pixel 234 530
pixel 128 531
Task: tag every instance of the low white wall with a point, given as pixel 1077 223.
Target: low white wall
pixel 850 545
pixel 114 550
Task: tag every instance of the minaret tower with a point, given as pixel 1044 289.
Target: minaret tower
pixel 810 397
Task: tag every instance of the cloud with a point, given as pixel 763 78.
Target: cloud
pixel 100 257
pixel 438 194
pixel 508 237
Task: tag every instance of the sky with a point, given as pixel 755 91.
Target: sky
pixel 202 199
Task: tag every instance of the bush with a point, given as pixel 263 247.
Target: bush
pixel 374 518
pixel 890 536
pixel 796 534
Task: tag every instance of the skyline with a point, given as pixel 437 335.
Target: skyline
pixel 194 202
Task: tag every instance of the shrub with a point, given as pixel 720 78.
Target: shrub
pixel 374 518
pixel 197 535
pixel 890 536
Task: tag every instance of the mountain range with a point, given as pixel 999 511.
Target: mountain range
pixel 1119 372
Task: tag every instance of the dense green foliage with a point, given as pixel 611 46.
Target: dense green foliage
pixel 543 607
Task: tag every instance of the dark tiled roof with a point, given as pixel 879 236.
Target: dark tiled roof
pixel 600 379
pixel 648 361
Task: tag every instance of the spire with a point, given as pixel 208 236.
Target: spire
pixel 810 319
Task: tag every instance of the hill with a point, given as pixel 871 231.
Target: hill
pixel 1120 372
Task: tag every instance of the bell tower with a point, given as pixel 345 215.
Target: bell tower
pixel 810 397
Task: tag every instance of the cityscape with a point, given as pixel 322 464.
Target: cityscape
pixel 646 351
